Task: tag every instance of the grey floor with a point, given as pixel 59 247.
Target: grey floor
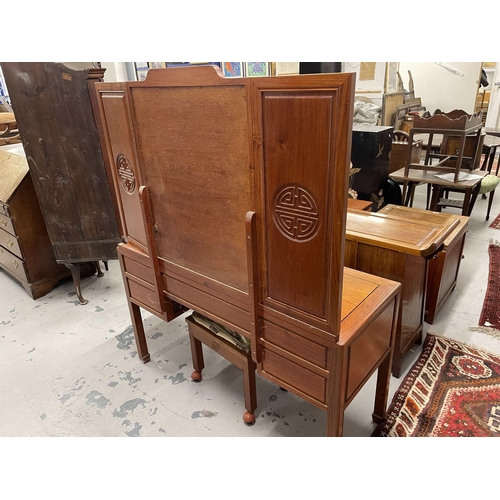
pixel 72 370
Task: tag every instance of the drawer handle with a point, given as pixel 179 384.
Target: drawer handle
pixel 4 223
pixel 10 243
pixel 15 264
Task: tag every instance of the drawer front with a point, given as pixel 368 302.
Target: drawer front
pixel 294 375
pixel 13 263
pixel 6 223
pixel 10 242
pixel 139 270
pixel 295 344
pixel 144 295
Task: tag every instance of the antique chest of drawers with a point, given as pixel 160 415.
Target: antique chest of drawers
pixel 26 253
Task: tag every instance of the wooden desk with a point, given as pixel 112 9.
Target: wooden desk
pixel 232 194
pixel 443 267
pixel 398 247
pixel 414 177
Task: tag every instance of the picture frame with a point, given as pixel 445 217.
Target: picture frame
pixel 391 77
pixel 233 69
pixel 154 65
pixel 255 69
pixel 141 70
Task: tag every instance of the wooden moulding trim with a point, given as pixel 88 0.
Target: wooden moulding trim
pixel 140 281
pixel 294 358
pixel 192 278
pixel 157 313
pixel 133 254
pixel 207 313
pixel 300 328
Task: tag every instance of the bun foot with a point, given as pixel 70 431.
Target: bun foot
pixel 196 376
pixel 284 390
pixel 248 418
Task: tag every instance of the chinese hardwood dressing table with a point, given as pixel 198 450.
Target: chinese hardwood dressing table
pixel 233 197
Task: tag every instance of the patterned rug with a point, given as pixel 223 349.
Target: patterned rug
pixel 452 390
pixel 496 223
pixel 490 314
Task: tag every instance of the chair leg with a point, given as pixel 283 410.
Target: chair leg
pixel 197 355
pixel 490 201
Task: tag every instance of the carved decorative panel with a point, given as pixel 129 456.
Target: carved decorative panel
pixel 125 173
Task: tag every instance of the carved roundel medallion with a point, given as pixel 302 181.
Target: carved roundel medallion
pixel 295 213
pixel 125 173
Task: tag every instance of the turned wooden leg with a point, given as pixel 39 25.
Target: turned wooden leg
pixel 98 269
pixel 106 266
pixel 250 391
pixel 490 201
pixel 75 273
pixel 197 356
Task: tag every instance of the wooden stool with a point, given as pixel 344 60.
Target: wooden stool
pixel 198 335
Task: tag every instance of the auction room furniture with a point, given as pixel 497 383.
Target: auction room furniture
pixel 398 247
pixel 414 177
pixel 200 333
pixel 371 151
pixel 53 111
pixel 9 133
pixel 457 124
pixel 25 249
pixel 490 146
pixel 242 187
pixel 359 204
pixel 444 265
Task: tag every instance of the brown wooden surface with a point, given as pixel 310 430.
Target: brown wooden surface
pixel 354 204
pixel 54 115
pixel 396 243
pixel 444 266
pixel 216 154
pixel 26 252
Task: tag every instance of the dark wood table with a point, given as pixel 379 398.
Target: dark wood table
pixel 414 177
pixel 492 131
pixel 490 145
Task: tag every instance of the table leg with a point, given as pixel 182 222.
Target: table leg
pixel 436 191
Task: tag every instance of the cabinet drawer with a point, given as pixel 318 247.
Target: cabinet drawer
pixel 6 223
pixel 144 295
pixel 295 344
pixel 294 376
pixel 13 263
pixel 139 270
pixel 10 242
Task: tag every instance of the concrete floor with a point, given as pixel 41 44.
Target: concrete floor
pixel 72 370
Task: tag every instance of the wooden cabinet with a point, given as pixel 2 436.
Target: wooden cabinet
pixel 371 152
pixel 444 265
pixel 397 246
pixel 25 249
pixel 52 106
pixel 233 198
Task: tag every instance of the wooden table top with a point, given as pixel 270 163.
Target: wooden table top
pixel 492 131
pixel 491 141
pixel 354 204
pixel 398 231
pixel 429 177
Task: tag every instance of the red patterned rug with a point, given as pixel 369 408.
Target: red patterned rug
pixel 490 314
pixel 452 390
pixel 496 223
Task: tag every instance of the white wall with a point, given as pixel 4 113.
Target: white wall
pixel 441 88
pixel 115 71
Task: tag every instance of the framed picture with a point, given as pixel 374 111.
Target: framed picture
pixel 141 70
pixel 157 65
pixel 391 77
pixel 233 69
pixel 257 69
